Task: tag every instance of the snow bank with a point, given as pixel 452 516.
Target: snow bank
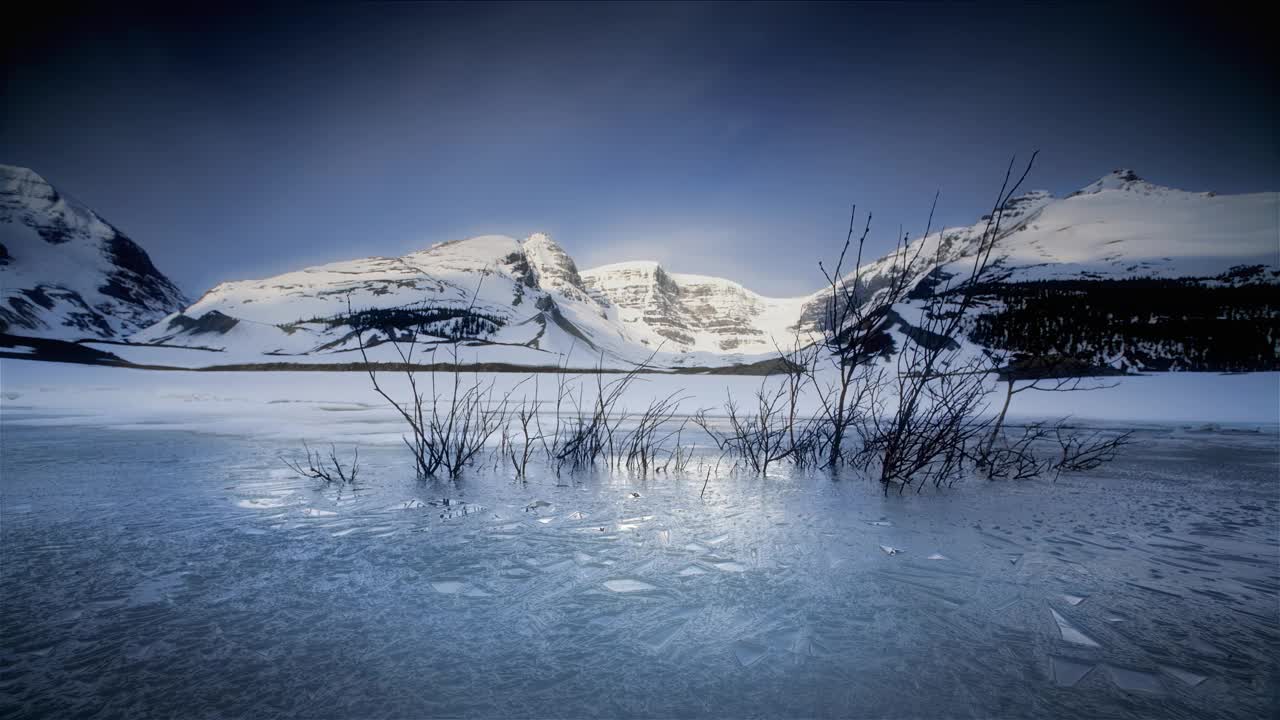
pixel 322 406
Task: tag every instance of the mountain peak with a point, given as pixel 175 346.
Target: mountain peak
pixel 19 183
pixel 68 273
pixel 1119 179
pixel 18 172
pixel 554 268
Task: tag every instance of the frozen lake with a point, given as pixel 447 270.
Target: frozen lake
pixel 154 572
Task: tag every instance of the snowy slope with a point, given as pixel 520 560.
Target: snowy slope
pixel 1123 273
pixel 66 273
pixel 1121 226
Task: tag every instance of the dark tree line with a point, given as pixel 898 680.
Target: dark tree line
pixel 400 322
pixel 1155 324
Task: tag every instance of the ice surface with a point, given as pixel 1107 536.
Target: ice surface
pixel 1070 633
pixel 627 585
pixel 263 503
pixel 1135 680
pixel 461 509
pixel 136 583
pixel 1068 672
pixel 156 589
pixel 449 587
pixel 749 653
pixel 1186 676
pixel 655 639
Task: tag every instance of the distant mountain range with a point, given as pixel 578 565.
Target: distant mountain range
pixel 1123 273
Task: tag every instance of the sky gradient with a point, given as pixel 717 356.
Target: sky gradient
pixel 718 139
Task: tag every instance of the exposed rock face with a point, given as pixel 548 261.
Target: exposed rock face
pixel 695 311
pixel 554 269
pixel 68 274
pixel 645 292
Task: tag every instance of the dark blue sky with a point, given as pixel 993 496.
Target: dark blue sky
pixel 719 139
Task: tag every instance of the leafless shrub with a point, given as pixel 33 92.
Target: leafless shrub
pixel 679 456
pixel 853 332
pixel 519 445
pixel 808 437
pixel 593 433
pixel 1039 374
pixel 931 432
pixel 458 424
pixel 552 439
pixel 643 446
pixel 758 438
pixel 1015 459
pixel 330 471
pixel 1081 452
pixel 938 396
pixel 447 433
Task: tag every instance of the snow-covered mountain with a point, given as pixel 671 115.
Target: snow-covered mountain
pixel 66 273
pixel 491 290
pixel 1123 271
